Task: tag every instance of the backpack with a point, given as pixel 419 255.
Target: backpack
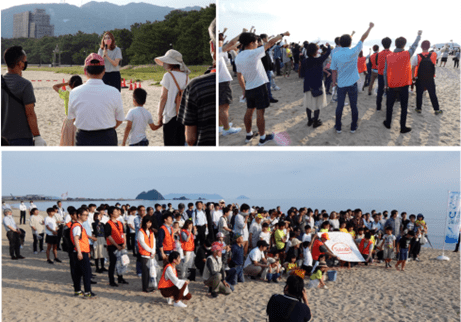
pixel 426 69
pixel 67 245
pixel 178 97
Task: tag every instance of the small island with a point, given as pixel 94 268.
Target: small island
pixel 242 197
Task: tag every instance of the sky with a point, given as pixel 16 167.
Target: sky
pixel 258 175
pixel 316 20
pixel 163 3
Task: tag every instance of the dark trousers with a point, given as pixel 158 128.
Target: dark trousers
pixel 415 248
pixel 21 142
pixel 131 240
pixel 379 98
pixel 128 240
pixel 430 86
pixel 112 261
pixel 235 275
pixel 391 97
pixel 22 219
pixel 82 269
pixel 40 242
pixel 277 66
pixel 113 79
pixel 201 230
pixel 107 137
pixel 72 266
pixel 60 229
pixel 145 273
pixel 328 80
pixel 457 245
pixel 13 238
pixel 174 133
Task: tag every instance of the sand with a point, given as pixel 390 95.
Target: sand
pixel 33 290
pixel 50 108
pixel 289 115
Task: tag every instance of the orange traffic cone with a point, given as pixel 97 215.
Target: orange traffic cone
pixel 139 84
pixel 64 87
pixel 135 85
pixel 131 85
pixel 123 83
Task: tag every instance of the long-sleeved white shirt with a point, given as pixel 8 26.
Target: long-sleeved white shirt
pixel 141 240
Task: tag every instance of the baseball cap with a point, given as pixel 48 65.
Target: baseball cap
pixel 325 235
pixel 94 56
pixel 259 216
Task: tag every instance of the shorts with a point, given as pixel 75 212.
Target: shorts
pixel 403 254
pixel 258 97
pixel 53 240
pixel 225 93
pixel 444 58
pixel 388 253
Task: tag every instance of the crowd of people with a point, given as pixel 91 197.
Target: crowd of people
pixel 94 109
pixel 222 243
pixel 329 74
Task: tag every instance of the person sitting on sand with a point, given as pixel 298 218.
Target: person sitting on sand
pixel 170 286
pixel 293 305
pixel 235 274
pixel 291 264
pixel 319 248
pixel 256 262
pixel 274 273
pixel 316 280
pixel 213 273
pixel 252 79
pixel 403 248
pixel 365 248
pixel 137 120
pixel 202 254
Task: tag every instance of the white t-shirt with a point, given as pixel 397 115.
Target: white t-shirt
pixel 307 237
pixel 217 214
pixel 307 261
pixel 50 222
pixel 141 118
pixel 22 207
pixel 105 219
pixel 249 64
pixel 130 221
pixel 224 75
pixel 265 236
pixel 255 229
pixel 169 111
pixel 255 256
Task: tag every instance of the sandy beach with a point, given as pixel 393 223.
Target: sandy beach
pixel 33 290
pixel 50 108
pixel 289 115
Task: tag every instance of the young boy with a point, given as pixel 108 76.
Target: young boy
pixel 365 248
pixel 403 248
pixel 388 246
pixel 307 258
pixel 51 230
pixel 137 120
pixel 265 234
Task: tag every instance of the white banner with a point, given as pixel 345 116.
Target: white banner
pixel 453 218
pixel 343 246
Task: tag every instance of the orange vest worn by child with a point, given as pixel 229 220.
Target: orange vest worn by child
pixel 164 283
pixel 83 241
pixel 188 246
pixel 149 240
pixel 116 234
pixel 365 249
pixel 168 241
pixel 398 69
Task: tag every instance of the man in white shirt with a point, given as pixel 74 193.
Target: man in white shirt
pixel 256 262
pixel 31 206
pixel 37 225
pixel 241 227
pixel 252 79
pixel 22 209
pixel 12 233
pixel 96 107
pixel 255 230
pixel 200 222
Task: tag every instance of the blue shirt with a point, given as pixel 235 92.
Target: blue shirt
pixel 344 61
pixel 9 221
pixel 137 225
pixel 237 254
pixel 88 230
pixel 199 218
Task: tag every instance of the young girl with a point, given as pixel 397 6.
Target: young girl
pixel 68 128
pixel 274 272
pixel 365 248
pixel 318 276
pixel 291 265
pixel 99 252
pixel 342 227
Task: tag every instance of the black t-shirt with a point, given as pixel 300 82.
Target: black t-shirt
pixel 278 308
pixel 404 242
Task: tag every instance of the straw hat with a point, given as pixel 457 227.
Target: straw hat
pixel 173 57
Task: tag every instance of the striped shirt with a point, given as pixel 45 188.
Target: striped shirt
pixel 198 108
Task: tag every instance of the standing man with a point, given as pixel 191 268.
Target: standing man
pixel 115 239
pixel 425 73
pixel 267 63
pixel 241 226
pixel 37 225
pixel 166 243
pixel 13 234
pixel 397 78
pixel 22 209
pixel 346 75
pixel 386 42
pixel 374 68
pixel 96 107
pixel 200 222
pixel 19 121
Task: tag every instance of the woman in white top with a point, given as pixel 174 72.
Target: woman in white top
pixel 146 245
pixel 170 286
pixel 112 56
pixel 174 81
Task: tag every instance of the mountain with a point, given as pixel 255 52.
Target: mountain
pixel 92 17
pixel 193 196
pixel 150 195
pixel 242 197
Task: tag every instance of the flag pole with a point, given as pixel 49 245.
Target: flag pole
pixel 443 257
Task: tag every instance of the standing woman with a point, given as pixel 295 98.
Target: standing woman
pixel 146 245
pixel 112 56
pixel 362 69
pixel 174 80
pixel 188 246
pixel 314 90
pixel 115 241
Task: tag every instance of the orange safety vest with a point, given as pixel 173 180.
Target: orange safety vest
pixel 164 283
pixel 382 60
pixel 362 64
pixel 433 59
pixel 83 240
pixel 69 224
pixel 398 69
pixel 373 61
pixel 363 249
pixel 188 246
pixel 168 241
pixel 316 249
pixel 149 240
pixel 116 234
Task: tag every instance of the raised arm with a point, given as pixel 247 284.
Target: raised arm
pixel 365 35
pixel 415 44
pixel 274 40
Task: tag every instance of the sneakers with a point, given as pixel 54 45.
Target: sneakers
pixel 273 100
pixel 35 253
pixel 269 137
pixel 438 112
pixel 276 88
pixel 89 295
pixel 43 251
pixel 50 261
pixel 122 281
pixel 57 260
pixel 139 275
pixel 353 131
pixel 179 304
pixel 250 136
pixel 232 130
pixel 418 110
pixel 405 130
pixel 78 294
pixel 338 131
pixel 169 301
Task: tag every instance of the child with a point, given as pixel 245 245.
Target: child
pixel 291 265
pixel 68 129
pixel 403 248
pixel 317 277
pixel 411 226
pixel 274 270
pixel 360 236
pixel 342 227
pixel 51 230
pixel 415 245
pixel 420 222
pixel 365 248
pixel 307 258
pixel 325 227
pixel 350 229
pixel 388 246
pixel 265 234
pixel 179 220
pixel 98 246
pixel 137 120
